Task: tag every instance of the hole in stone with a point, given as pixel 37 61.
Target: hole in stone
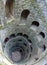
pixel 25 14
pixel 36 23
pixel 25 44
pixel 6 39
pixel 9 7
pixel 19 40
pixel 20 34
pixel 20 50
pixel 12 35
pixel 44 47
pixel 29 40
pixel 25 35
pixel 42 34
